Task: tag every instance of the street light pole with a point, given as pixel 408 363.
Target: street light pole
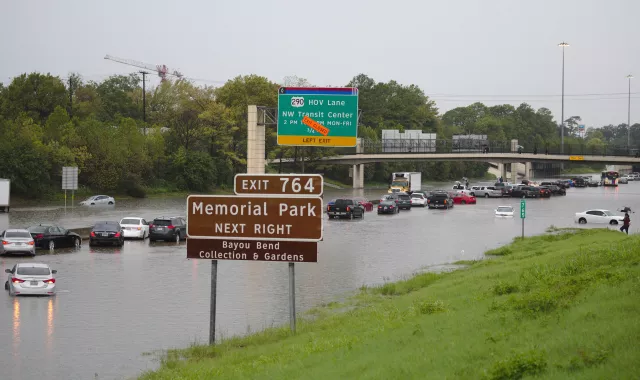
pixel 562 45
pixel 629 114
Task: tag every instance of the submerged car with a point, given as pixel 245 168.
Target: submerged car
pixel 98 200
pixel 462 198
pixel 15 241
pixel 504 211
pixel 31 279
pixel 598 216
pixel 171 228
pixel 418 200
pixel 368 206
pixel 388 207
pixel 134 227
pixel 52 237
pixel 106 232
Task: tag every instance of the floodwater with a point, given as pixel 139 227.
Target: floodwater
pixel 116 305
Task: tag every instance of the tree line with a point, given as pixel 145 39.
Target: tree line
pixel 194 137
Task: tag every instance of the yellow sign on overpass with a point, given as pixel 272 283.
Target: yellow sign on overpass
pixel 576 158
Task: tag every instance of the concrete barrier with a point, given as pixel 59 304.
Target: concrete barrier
pixel 82 231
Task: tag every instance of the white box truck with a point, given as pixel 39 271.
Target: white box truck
pixel 405 182
pixel 5 189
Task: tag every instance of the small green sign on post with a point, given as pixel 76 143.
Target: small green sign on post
pixel 523 213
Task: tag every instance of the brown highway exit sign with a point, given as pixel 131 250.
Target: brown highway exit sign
pixel 272 217
pixel 252 250
pixel 279 184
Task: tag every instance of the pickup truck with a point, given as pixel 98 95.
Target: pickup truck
pixel 440 200
pixel 345 208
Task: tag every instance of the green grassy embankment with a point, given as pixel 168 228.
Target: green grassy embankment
pixel 563 306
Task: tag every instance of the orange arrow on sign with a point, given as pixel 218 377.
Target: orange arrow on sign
pixel 315 125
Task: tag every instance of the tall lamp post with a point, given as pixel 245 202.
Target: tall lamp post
pixel 629 114
pixel 562 45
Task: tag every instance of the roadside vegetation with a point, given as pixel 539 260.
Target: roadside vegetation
pixel 559 306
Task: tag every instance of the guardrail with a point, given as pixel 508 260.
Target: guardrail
pixel 479 146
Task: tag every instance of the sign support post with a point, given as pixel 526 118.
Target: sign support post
pixel 523 213
pixel 292 297
pixel 272 217
pixel 212 310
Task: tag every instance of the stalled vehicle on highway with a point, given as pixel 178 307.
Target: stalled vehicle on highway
pixel 17 242
pixel 597 216
pixel 440 200
pixel 106 232
pixel 463 198
pixel 368 206
pixel 486 191
pixel 168 228
pixel 98 200
pixel 404 201
pixel 418 200
pixel 135 227
pixel 52 237
pixel 31 279
pixel 554 189
pixel 388 207
pixel 345 208
pixel 504 211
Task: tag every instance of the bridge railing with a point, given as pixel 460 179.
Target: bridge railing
pixel 480 146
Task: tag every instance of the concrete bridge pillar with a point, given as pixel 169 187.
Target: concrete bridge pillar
pixel 255 143
pixel 502 168
pixel 358 176
pixel 528 171
pixel 359 146
pixel 514 172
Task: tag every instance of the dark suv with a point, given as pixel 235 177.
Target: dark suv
pixel 404 201
pixel 172 228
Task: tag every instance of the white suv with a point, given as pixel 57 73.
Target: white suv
pixel 487 191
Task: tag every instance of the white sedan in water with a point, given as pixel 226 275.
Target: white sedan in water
pixel 597 216
pixel 31 279
pixel 504 211
pixel 135 227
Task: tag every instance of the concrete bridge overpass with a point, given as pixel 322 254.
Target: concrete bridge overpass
pixel 358 161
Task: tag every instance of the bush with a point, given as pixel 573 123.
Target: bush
pixel 502 251
pixel 518 366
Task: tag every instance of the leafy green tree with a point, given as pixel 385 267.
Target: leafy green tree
pixel 35 94
pixel 120 96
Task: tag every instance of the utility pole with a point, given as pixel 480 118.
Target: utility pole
pixel 562 45
pixel 70 96
pixel 144 100
pixel 629 115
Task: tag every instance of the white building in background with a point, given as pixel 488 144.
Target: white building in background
pixel 411 140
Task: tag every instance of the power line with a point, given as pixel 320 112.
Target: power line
pixel 529 95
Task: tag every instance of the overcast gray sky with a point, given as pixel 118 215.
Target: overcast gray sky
pixel 458 52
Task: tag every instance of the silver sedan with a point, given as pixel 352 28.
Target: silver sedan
pixel 31 279
pixel 16 241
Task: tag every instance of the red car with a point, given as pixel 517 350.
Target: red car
pixel 461 198
pixel 368 206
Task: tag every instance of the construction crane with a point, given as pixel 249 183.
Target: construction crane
pixel 162 70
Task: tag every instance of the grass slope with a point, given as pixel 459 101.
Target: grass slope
pixel 558 306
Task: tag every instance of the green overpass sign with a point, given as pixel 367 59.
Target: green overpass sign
pixel 523 209
pixel 314 116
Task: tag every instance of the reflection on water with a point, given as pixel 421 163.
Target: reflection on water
pixel 49 322
pixel 16 327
